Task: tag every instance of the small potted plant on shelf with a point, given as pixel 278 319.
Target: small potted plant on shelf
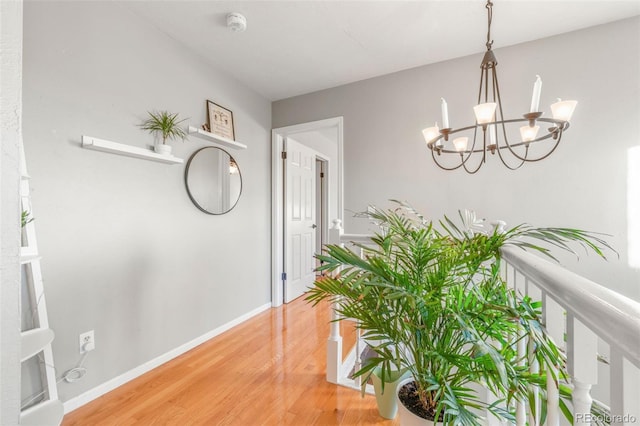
pixel 432 299
pixel 164 125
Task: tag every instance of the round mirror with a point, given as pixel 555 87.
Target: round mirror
pixel 213 180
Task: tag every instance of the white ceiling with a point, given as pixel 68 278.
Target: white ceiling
pixel 296 47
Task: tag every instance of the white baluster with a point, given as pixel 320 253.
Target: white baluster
pixel 616 380
pixel 582 349
pixel 554 320
pixel 581 403
pixel 625 395
pixel 334 347
pixel 521 409
pixel 534 367
pixel 631 391
pixel 553 398
pixel 335 232
pixel 358 361
pixel 334 343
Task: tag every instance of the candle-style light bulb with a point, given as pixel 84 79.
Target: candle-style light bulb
pixel 492 135
pixel 445 114
pixel 535 97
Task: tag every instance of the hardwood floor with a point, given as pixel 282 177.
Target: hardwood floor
pixel 269 370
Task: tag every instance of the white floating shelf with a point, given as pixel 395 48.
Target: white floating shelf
pixel 127 150
pixel 215 138
pixel 34 341
pixel 46 413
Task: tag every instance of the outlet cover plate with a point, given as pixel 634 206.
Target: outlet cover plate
pixel 87 341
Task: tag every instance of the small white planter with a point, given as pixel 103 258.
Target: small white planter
pixel 387 401
pixel 406 417
pixel 162 148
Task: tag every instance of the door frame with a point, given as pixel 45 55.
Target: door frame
pixel 322 198
pixel 277 194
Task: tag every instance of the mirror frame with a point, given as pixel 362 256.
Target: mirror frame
pixel 186 181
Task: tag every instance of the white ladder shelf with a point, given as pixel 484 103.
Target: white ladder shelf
pixel 37 340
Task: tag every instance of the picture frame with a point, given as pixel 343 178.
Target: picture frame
pixel 220 120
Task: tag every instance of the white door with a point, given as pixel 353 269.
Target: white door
pixel 300 215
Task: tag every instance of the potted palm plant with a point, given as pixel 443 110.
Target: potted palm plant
pixel 432 298
pixel 166 126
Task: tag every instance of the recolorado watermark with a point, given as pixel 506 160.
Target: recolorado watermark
pixel 606 418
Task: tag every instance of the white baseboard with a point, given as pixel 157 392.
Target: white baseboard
pixel 110 385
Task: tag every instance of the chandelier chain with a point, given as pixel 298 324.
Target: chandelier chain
pixel 489 7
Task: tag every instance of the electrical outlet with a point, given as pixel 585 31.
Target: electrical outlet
pixel 87 342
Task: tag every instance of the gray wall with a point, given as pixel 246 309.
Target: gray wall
pixel 125 252
pixel 583 184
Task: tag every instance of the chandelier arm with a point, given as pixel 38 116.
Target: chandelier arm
pixel 463 160
pixel 482 78
pixel 504 130
pixel 522 161
pixel 527 144
pixel 496 89
pixel 484 83
pixel 435 160
pixel 472 172
pixel 496 94
pixel 533 160
pixel 472 151
pixel 559 124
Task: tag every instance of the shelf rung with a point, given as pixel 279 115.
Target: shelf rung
pixel 34 341
pixel 26 258
pixel 48 413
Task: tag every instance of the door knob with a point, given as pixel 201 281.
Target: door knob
pixel 314 226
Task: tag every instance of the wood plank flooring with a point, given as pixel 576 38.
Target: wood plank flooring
pixel 269 370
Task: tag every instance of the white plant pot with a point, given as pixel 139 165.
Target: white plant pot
pixel 406 417
pixel 387 401
pixel 162 148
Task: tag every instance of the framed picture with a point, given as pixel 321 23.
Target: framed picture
pixel 220 121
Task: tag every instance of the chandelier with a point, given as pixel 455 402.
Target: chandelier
pixel 491 130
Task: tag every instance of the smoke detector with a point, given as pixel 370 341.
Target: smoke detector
pixel 237 22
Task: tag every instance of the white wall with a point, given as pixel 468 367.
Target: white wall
pixel 125 252
pixel 10 134
pixel 583 184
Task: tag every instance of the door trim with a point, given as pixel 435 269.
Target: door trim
pixel 277 194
